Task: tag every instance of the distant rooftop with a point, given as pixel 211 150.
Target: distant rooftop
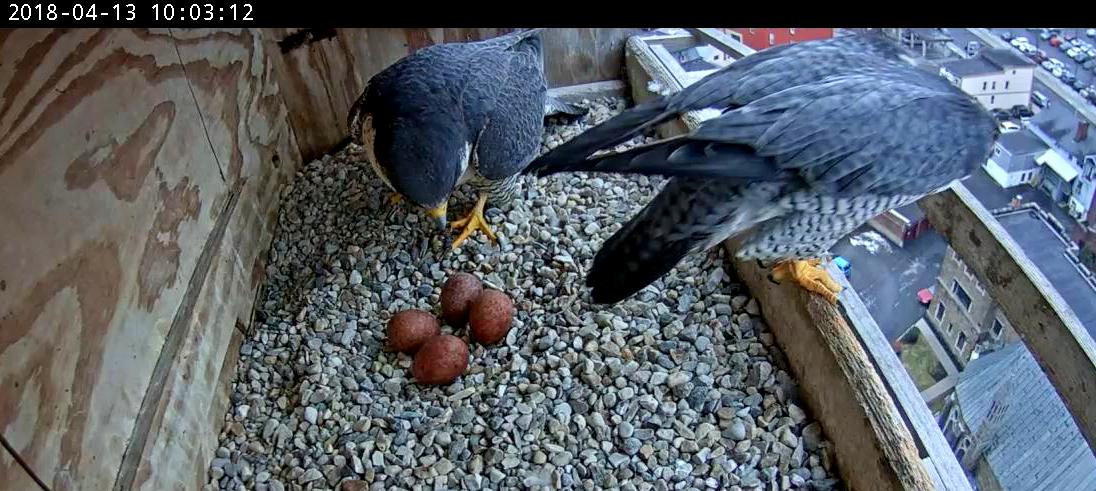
pixel 1033 443
pixel 988 61
pixel 1022 142
pixel 930 35
pixel 1045 249
pixel 1062 130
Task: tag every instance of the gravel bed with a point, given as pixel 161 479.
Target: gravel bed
pixel 680 387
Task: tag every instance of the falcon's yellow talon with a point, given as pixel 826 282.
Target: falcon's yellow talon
pixel 809 275
pixel 472 222
pixel 395 199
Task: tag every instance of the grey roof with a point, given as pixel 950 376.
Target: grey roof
pixel 987 61
pixel 929 34
pixel 1005 58
pixel 912 212
pixel 698 64
pixel 1062 130
pixel 1033 444
pixel 1022 142
pixel 971 66
pixel 1045 249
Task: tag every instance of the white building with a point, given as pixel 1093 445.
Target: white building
pixel 998 78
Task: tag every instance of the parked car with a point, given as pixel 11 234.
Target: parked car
pixel 1026 49
pixel 1056 42
pixel 1045 35
pixel 1070 36
pixel 1057 72
pixel 1040 99
pixel 1007 36
pixel 1078 85
pixel 1009 127
pixel 1068 77
pixel 1047 65
pixel 844 265
pixel 1002 115
pixel 1021 111
pixel 924 295
pixel 1091 33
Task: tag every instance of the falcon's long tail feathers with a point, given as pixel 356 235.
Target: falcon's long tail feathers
pixel 619 129
pixel 558 107
pixel 687 216
pixel 680 157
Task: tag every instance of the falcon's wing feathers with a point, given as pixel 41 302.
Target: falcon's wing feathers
pixel 819 131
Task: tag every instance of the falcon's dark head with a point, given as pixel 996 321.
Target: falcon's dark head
pixel 419 150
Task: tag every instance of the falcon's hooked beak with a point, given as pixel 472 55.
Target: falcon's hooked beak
pixel 438 214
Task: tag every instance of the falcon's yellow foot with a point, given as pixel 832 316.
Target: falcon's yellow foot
pixel 395 199
pixel 810 276
pixel 473 221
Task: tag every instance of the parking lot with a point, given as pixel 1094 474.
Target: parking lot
pixel 1059 108
pixel 1082 70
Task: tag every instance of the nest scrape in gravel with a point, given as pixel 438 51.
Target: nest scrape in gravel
pixel 679 387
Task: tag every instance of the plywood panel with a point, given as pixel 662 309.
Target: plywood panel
pixel 322 79
pixel 106 185
pixel 235 86
pixel 18 479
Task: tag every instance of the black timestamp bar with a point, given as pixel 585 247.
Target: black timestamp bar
pixel 195 14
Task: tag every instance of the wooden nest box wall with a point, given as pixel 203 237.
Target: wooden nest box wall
pixel 139 182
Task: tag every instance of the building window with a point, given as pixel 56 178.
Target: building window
pixel 948 327
pixel 772 39
pixel 997 328
pixel 992 98
pixel 993 86
pixel 940 311
pixel 961 342
pixel 1006 84
pixel 961 294
pixel 984 84
pixel 996 150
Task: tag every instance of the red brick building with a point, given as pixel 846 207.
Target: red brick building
pixel 760 38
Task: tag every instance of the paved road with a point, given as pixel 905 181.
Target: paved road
pixel 1076 105
pixel 888 277
pixel 1059 107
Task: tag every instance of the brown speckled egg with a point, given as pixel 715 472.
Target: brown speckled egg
pixel 440 361
pixel 409 329
pixel 490 316
pixel 456 297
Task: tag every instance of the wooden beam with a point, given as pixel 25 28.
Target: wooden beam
pixel 1049 328
pixel 722 42
pixel 940 459
pixel 840 384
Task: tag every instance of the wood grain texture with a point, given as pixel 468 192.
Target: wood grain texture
pixel 321 80
pixel 1064 349
pixel 18 479
pixel 235 86
pixel 106 182
pixel 940 461
pixel 873 447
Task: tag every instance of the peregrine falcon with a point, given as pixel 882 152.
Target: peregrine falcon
pixel 456 113
pixel 813 140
